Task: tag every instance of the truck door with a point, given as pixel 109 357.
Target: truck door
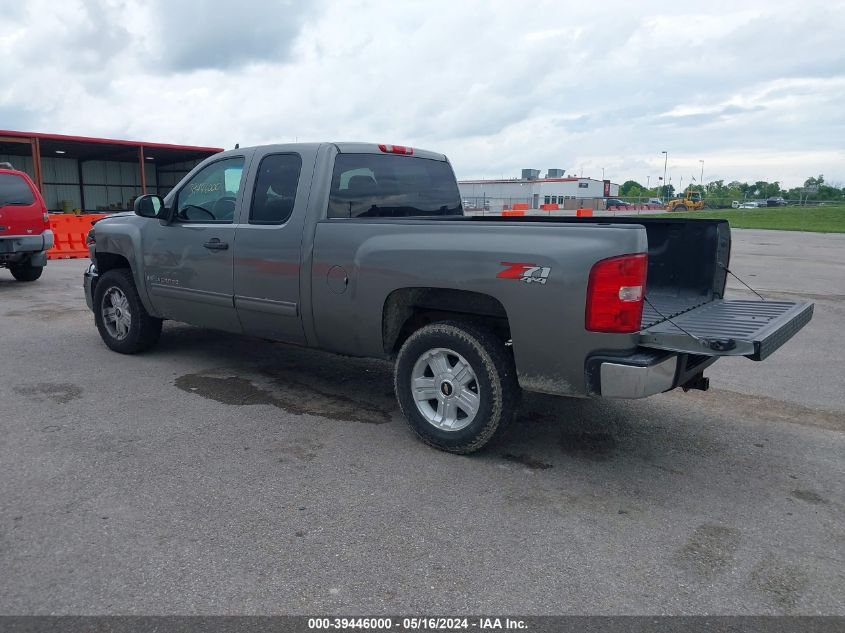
pixel 188 260
pixel 268 247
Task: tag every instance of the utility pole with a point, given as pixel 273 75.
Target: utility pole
pixel 701 180
pixel 665 162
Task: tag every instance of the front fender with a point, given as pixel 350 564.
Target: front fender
pixel 122 236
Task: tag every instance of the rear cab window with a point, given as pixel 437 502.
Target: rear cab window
pixel 275 189
pixel 388 186
pixel 14 190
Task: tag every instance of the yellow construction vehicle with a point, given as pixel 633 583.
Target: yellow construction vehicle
pixel 690 201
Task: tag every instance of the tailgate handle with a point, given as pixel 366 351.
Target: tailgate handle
pixel 721 345
pixel 216 245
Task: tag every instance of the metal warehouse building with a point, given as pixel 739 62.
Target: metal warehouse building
pixel 97 174
pixel 567 192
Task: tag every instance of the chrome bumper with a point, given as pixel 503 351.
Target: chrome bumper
pixel 630 381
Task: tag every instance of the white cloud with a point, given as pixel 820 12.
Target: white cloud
pixel 753 90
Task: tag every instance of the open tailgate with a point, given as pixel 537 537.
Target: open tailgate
pixel 753 329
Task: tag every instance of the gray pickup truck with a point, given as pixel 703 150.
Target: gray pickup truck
pixel 364 250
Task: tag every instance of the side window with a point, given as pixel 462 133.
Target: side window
pixel 275 189
pixel 210 195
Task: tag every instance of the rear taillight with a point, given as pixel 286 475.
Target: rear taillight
pixel 397 149
pixel 615 294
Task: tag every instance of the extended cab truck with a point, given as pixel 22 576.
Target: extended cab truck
pixel 25 235
pixel 364 250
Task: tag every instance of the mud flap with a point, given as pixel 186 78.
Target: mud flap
pixel 753 329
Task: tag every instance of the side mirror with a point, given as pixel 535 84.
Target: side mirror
pixel 148 206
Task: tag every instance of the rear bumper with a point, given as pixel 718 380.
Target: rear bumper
pixel 632 381
pixel 11 244
pixel 89 282
pixel 642 374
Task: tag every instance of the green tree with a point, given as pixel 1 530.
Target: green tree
pixel 825 193
pixel 631 188
pixel 667 192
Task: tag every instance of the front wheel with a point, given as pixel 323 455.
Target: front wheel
pixel 680 208
pixel 25 271
pixel 123 322
pixel 456 385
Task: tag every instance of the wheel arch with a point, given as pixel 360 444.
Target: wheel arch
pixel 109 260
pixel 406 310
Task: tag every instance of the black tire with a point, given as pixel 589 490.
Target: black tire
pixel 143 331
pixel 680 208
pixel 25 271
pixel 494 377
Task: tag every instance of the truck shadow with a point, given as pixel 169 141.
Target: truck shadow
pixel 547 431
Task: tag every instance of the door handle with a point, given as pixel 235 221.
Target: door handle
pixel 216 245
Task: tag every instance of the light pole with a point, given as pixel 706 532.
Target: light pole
pixel 702 174
pixel 665 162
pixel 602 173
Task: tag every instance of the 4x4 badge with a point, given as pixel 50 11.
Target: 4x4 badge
pixel 529 273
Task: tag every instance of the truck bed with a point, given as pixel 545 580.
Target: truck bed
pixel 687 261
pixel 687 272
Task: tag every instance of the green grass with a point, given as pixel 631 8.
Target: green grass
pixel 826 219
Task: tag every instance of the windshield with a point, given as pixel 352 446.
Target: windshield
pixel 14 190
pixel 373 185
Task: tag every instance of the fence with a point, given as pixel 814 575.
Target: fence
pixel 69 233
pixel 811 215
pixel 560 206
pixel 734 203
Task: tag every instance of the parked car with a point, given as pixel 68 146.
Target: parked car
pixel 776 201
pixel 616 202
pixel 751 204
pixel 364 250
pixel 655 201
pixel 25 235
pixel 475 204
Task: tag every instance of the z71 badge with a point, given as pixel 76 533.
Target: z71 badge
pixel 529 273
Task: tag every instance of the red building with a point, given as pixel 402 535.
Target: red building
pixel 97 174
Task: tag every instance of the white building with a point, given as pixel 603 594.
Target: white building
pixel 568 192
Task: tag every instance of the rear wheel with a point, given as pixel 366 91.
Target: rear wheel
pixel 123 322
pixel 25 271
pixel 456 385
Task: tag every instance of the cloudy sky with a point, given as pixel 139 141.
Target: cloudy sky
pixel 753 88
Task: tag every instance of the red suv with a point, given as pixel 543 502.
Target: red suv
pixel 25 235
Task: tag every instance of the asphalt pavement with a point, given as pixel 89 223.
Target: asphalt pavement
pixel 226 475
